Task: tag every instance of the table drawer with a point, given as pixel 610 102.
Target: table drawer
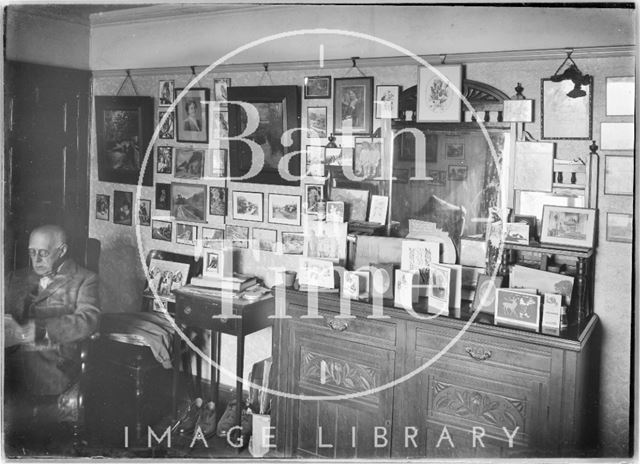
pixel 199 313
pixel 361 329
pixel 485 350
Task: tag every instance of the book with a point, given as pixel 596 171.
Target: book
pixel 237 283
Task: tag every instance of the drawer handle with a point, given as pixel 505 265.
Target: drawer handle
pixel 223 320
pixel 478 354
pixel 187 310
pixel 339 326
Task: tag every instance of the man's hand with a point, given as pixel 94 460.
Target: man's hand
pixel 16 334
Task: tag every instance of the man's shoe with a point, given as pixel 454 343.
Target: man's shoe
pixel 187 421
pixel 207 420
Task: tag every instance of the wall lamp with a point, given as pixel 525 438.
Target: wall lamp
pixel 574 74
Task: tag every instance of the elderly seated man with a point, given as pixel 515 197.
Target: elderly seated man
pixel 49 309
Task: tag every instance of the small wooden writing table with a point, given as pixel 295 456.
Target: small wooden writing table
pixel 202 308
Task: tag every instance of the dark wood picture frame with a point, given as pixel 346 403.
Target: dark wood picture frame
pixel 189 202
pixel 200 134
pixel 554 93
pixel 122 207
pixel 363 109
pixel 273 99
pixel 317 87
pixel 124 126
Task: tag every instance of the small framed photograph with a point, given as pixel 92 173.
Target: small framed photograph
pixel 356 285
pixel 186 234
pixel 122 205
pixel 316 273
pixel 163 197
pixel 564 225
pixel 188 202
pixel 237 235
pixel 192 116
pixel 316 122
pixel 340 156
pixel 189 163
pixel 317 87
pixel 165 93
pixel 367 158
pixel 620 227
pixel 456 172
pixel 387 99
pixel 356 202
pixel 437 101
pixel 484 299
pixel 220 86
pixel 517 111
pixel 247 206
pixel 534 166
pixel 439 290
pixel 620 96
pixel 406 288
pixel 217 263
pixel 164 160
pixel 161 230
pixel 144 213
pixel 212 237
pixel 617 178
pixel 353 105
pixel 378 209
pixel 326 240
pixel 313 194
pixel 218 157
pixel 167 130
pixel 264 239
pixel 531 221
pixel 517 309
pixel 335 211
pixel 617 135
pixel 218 201
pixel 436 177
pixel 314 161
pixel 103 206
pixel 284 209
pixel 563 116
pixel 517 233
pixel 292 243
pixel 454 148
pixel 220 124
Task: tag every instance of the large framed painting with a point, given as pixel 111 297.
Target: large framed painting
pixel 563 116
pixel 274 111
pixel 437 100
pixel 123 129
pixel 192 118
pixel 353 105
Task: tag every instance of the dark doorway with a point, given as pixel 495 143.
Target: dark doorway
pixel 46 154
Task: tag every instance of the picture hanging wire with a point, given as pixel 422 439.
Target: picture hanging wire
pixel 127 78
pixel 265 74
pixel 443 58
pixel 193 71
pixel 355 66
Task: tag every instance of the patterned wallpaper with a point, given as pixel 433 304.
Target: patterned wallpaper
pixel 121 274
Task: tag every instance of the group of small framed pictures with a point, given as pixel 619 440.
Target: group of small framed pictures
pixel 353 104
pixel 188 162
pixel 190 122
pixel 122 208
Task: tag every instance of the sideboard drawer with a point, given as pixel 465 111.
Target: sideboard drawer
pixel 198 313
pixel 483 349
pixel 365 330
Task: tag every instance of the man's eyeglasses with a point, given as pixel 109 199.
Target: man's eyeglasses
pixel 42 253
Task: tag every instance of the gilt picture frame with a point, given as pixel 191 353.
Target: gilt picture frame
pixel 353 105
pixel 563 117
pixel 192 116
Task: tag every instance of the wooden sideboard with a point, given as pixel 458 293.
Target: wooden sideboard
pixel 491 378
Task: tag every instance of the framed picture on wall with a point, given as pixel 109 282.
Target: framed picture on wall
pixel 620 96
pixel 124 126
pixel 563 116
pixel 144 213
pixel 218 201
pixel 163 196
pixel 353 105
pixel 186 234
pixel 314 161
pixel 161 230
pixel 165 93
pixel 164 160
pixel 167 130
pixel 437 100
pixel 387 99
pixel 284 209
pixel 188 202
pixel 619 227
pixel 103 206
pixel 212 237
pixel 237 235
pixel 314 194
pixel 617 175
pixel 247 206
pixel 292 243
pixel 218 157
pixel 264 239
pixel 220 87
pixel 617 135
pixel 122 206
pixel 457 173
pixel 564 225
pixel 317 87
pixel 189 163
pixel 316 122
pixel 192 118
pixel 277 110
pixel 367 158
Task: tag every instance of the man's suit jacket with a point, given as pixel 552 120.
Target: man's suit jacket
pixel 68 308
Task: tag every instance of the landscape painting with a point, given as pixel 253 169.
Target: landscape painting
pixel 188 202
